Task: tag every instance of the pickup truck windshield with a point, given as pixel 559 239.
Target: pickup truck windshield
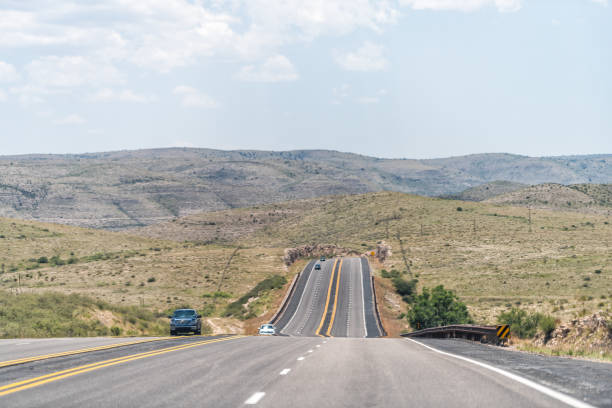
pixel 184 313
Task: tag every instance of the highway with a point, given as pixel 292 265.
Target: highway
pixel 336 300
pixel 329 354
pixel 282 371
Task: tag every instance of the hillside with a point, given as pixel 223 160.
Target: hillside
pixel 485 252
pixel 486 191
pixel 593 198
pixel 127 189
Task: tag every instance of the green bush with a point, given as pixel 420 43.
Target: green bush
pixel 547 325
pixel 217 295
pixel 406 289
pixel 43 260
pixel 438 307
pixel 389 275
pixel 525 325
pixel 115 331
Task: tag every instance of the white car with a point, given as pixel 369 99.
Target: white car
pixel 267 329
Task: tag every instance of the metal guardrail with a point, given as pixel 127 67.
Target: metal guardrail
pixel 484 334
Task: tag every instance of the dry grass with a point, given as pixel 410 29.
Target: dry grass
pixel 500 263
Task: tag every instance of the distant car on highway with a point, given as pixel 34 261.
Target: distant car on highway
pixel 318 267
pixel 322 259
pixel 185 320
pixel 267 330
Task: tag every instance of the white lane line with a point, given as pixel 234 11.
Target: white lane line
pixel 300 358
pixel 325 342
pixel 310 351
pixel 301 297
pixel 566 399
pixel 318 345
pixel 21 344
pixel 285 371
pixel 365 326
pixel 255 398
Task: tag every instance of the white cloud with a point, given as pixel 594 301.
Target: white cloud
pixel 2 96
pixel 463 5
pixel 368 57
pixel 8 73
pixel 125 95
pixel 71 71
pixel 602 2
pixel 192 98
pixel 70 120
pixel 274 69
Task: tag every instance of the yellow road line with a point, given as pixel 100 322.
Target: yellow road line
pixel 71 352
pixel 34 382
pixel 333 317
pixel 331 280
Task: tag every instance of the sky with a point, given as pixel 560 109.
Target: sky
pixel 385 78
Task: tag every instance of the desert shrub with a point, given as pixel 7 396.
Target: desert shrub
pixel 406 289
pixel 522 324
pixel 547 325
pixel 217 295
pixel 236 308
pixel 115 331
pixel 43 260
pixel 56 261
pixel 437 307
pixel 151 279
pixel 208 310
pixel 389 275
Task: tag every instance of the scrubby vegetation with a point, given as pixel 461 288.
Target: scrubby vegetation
pixel 240 309
pixel 437 307
pixel 59 315
pixel 525 325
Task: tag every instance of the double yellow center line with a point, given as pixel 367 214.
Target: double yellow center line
pixel 71 352
pixel 335 301
pixel 34 382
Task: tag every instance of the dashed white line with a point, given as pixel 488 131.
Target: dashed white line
pixel 310 351
pixel 318 345
pixel 300 358
pixel 285 371
pixel 255 398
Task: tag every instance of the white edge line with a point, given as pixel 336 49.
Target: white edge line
pixel 573 402
pixel 365 326
pixel 300 302
pixel 255 398
pixel 285 371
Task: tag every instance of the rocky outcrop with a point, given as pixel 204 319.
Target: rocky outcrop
pixel 383 251
pixel 315 251
pixel 590 332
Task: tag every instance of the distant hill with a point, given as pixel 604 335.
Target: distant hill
pixel 595 198
pixel 118 190
pixel 486 191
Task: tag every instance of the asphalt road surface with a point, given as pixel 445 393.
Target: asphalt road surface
pixel 22 348
pixel 334 301
pixel 325 358
pixel 271 372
